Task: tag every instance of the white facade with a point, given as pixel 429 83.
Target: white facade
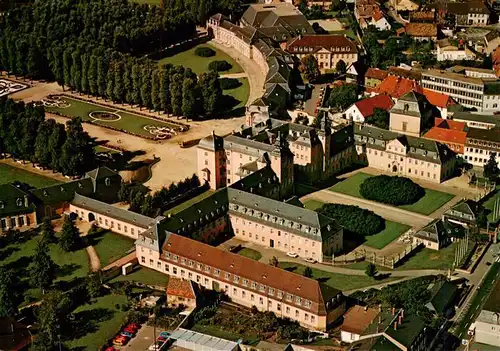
pixel 381 24
pixel 478 156
pixel 353 114
pixel 349 337
pixel 488 328
pixel 453 53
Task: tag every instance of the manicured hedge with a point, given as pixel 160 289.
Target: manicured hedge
pixel 391 190
pixel 203 51
pixel 229 83
pixel 219 66
pixel 354 218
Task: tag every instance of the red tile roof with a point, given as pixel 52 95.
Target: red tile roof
pixel 438 99
pixel 264 275
pixel 358 319
pixel 331 42
pixel 367 106
pixel 449 124
pixel 396 87
pixel 421 29
pixel 377 15
pixel 376 73
pixel 180 287
pixel 446 135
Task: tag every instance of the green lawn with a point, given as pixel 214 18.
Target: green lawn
pixel 129 121
pixel 8 174
pixel 431 259
pixel 478 300
pixel 198 64
pixel 430 202
pixel 188 203
pixel 490 204
pixel 342 282
pixel 378 241
pixel 101 320
pixel 145 276
pixel 240 93
pixel 391 232
pixel 250 253
pixel 149 2
pixel 111 246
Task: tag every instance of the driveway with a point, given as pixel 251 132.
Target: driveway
pixel 144 338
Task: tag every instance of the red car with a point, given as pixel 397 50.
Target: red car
pixel 133 325
pixel 130 330
pixel 111 348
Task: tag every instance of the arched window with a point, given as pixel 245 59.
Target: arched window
pixel 107 181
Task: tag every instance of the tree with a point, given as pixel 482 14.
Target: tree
pixel 395 190
pixel 155 90
pixel 491 170
pixel 342 96
pixel 273 261
pixel 147 205
pixel 176 94
pixel 43 268
pixel 309 66
pixel 308 272
pixel 371 270
pixel 47 230
pixel 7 294
pixel 69 235
pixel 189 93
pixel 380 118
pixel 52 316
pixel 341 67
pixel 94 285
pixel 356 220
pixel 211 92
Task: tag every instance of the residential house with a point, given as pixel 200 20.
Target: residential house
pixel 365 108
pixel 449 51
pixel 17 208
pixel 421 31
pixel 403 154
pixel 405 71
pixel 481 144
pixel 433 236
pixel 422 17
pixel 476 120
pixel 487 324
pixel 451 133
pixel 328 49
pixel 324 4
pixel 356 73
pixel 404 5
pixel 395 87
pixel 442 296
pixel 491 41
pixel 374 76
pixel 411 114
pixel 356 320
pixel 245 281
pixel 181 292
pixel 464 213
pixel 461 13
pixel 440 101
pixel 368 13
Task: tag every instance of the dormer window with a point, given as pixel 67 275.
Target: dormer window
pixel 107 181
pixel 19 202
pixel 2 204
pixel 45 193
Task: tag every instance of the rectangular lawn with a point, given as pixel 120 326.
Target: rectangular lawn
pixel 342 282
pixel 250 253
pixel 9 174
pixel 111 246
pixel 128 121
pixel 145 276
pixel 199 64
pixel 102 319
pixel 431 259
pixel 430 202
pixel 313 204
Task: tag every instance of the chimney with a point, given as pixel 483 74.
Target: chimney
pixel 403 313
pixel 400 319
pixel 393 311
pixel 395 325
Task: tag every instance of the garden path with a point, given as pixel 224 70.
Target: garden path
pixel 233 75
pixel 95 262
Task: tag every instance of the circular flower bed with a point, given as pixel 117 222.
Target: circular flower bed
pixel 391 190
pixel 104 116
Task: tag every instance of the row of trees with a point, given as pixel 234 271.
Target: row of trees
pixel 25 134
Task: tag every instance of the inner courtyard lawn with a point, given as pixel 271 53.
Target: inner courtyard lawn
pixel 145 276
pixel 199 64
pixel 111 246
pixel 430 259
pixel 342 282
pixel 130 122
pixel 250 253
pixel 430 202
pixel 240 93
pixel 100 320
pixel 9 174
pixel 391 232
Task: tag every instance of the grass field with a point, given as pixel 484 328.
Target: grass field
pixel 490 206
pixel 129 121
pixel 430 202
pixel 250 253
pixel 431 259
pixel 9 174
pixel 149 2
pixel 342 282
pixel 240 93
pixel 378 241
pixel 198 64
pixel 100 319
pixel 145 276
pixel 111 246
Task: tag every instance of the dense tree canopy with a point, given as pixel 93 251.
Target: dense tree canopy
pixel 391 190
pixel 310 67
pixel 342 96
pixel 353 218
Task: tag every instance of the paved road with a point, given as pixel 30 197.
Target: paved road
pixel 388 212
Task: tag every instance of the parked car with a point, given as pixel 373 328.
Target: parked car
pixel 292 254
pixel 127 334
pixel 133 325
pixel 310 260
pixel 120 340
pixel 111 348
pixel 130 330
pixel 156 346
pixel 165 334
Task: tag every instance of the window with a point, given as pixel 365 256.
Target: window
pixel 254 285
pixel 216 272
pixel 243 293
pixel 227 276
pixel 297 313
pixel 207 269
pixel 278 307
pixel 206 281
pixel 125 228
pixel 235 291
pixel 306 316
pixel 261 300
pixel 150 262
pixel 143 259
pixel 271 291
pixel 252 298
pixel 236 279
pixel 158 265
pixel 313 319
pixel 174 270
pixel 245 282
pixel 167 268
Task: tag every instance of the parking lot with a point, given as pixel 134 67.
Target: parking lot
pixel 142 340
pixel 311 104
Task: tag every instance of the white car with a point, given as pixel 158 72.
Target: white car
pixel 310 260
pixel 292 254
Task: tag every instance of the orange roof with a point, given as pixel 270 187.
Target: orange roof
pixel 180 287
pixel 367 106
pixel 446 135
pixel 438 99
pixel 396 87
pixel 358 319
pixel 376 73
pixel 377 15
pixel 449 124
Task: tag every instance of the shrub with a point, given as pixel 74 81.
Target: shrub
pixel 203 51
pixel 229 83
pixel 354 218
pixel 391 190
pixel 219 66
